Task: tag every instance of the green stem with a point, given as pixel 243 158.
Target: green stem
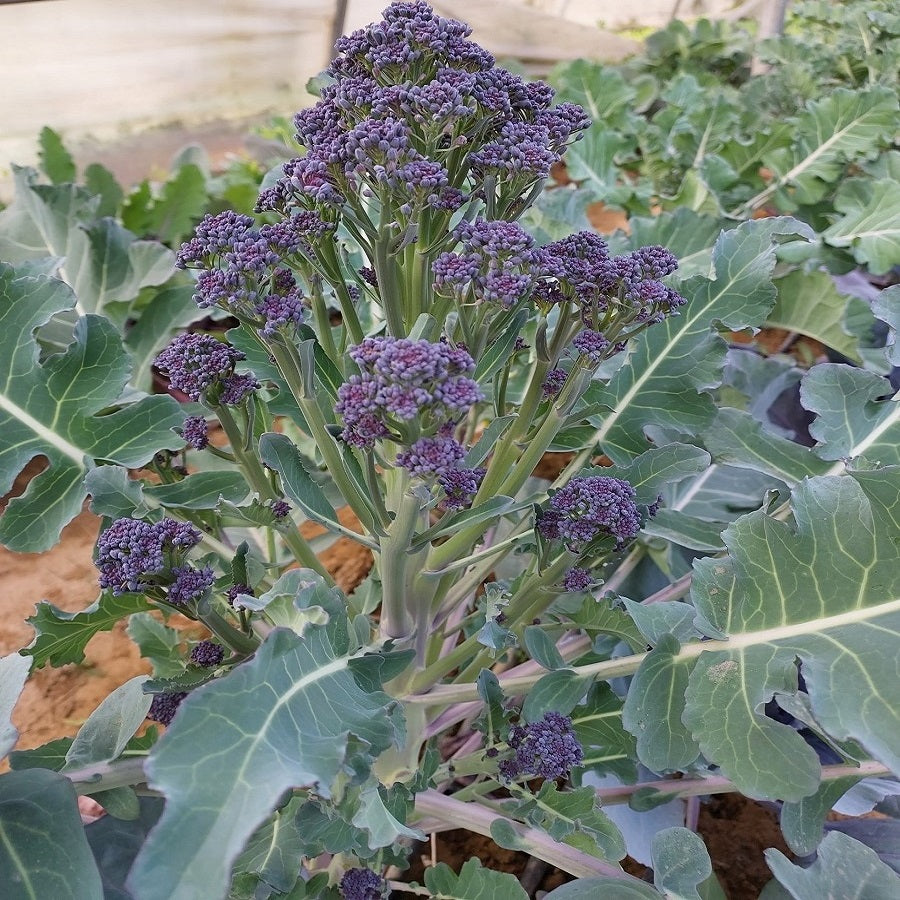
pixel 474 816
pixel 256 477
pixel 289 366
pixel 397 567
pixel 323 324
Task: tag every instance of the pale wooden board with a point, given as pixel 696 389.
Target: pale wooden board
pixel 104 68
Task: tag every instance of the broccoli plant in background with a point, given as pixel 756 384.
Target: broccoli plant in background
pixel 407 348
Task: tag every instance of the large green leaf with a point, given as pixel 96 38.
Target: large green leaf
pixel 110 726
pixel 844 869
pixel 13 672
pixel 43 850
pixel 64 409
pixel 102 261
pixel 824 591
pixel 809 302
pixel 280 720
pixel 736 438
pixel 870 226
pixel 474 882
pixel 853 418
pixel 673 364
pixel 843 127
pixel 680 863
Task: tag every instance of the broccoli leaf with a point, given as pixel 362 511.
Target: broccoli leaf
pixel 826 594
pixel 65 409
pixel 675 363
pixel 43 849
pixel 280 720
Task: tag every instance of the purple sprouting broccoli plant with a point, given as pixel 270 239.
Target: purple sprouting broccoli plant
pixel 420 352
pixel 547 748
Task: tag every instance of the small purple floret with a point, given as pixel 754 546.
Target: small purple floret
pixel 131 549
pixel 553 383
pixel 189 584
pixel 207 654
pixel 361 884
pixel 595 505
pixel 164 706
pixel 195 431
pixel 460 486
pixel 577 579
pixel 546 749
pixel 431 456
pixel 194 362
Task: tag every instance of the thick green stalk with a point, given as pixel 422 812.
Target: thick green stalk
pixel 398 567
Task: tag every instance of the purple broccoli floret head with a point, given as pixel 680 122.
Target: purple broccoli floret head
pixel 194 362
pixel 362 884
pixel 195 431
pixel 164 706
pixel 595 505
pixel 207 654
pixel 131 549
pixel 189 584
pixel 547 748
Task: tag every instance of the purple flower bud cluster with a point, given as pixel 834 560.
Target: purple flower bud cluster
pixel 195 431
pixel 406 89
pixel 402 380
pixel 577 580
pixel 520 149
pixel 586 273
pixel 361 884
pixel 207 654
pixel 553 383
pixel 546 749
pixel 189 584
pixel 497 262
pixel 193 363
pixel 460 486
pixel 281 509
pixel 130 550
pixel 243 271
pixel 236 590
pixel 589 507
pixel 431 456
pixel 591 344
pixel 164 706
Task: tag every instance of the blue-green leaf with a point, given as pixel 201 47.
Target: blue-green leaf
pixel 280 720
pixel 13 672
pixel 844 868
pixel 61 409
pixel 110 726
pixel 673 364
pixel 43 850
pixel 473 882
